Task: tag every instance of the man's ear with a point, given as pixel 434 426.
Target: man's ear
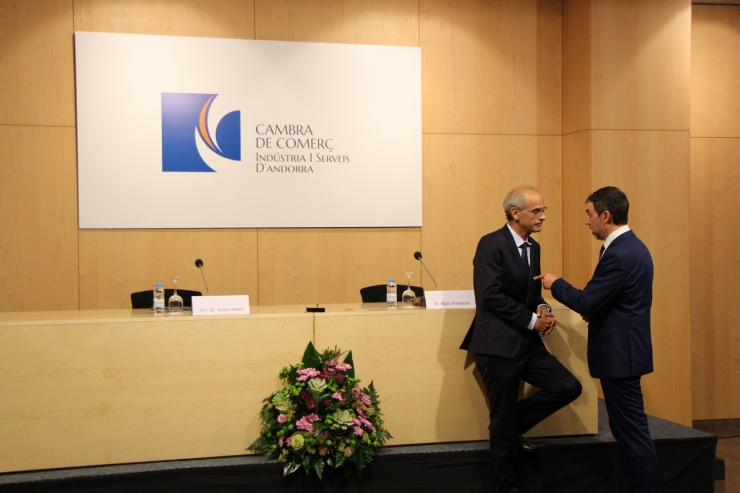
pixel 608 217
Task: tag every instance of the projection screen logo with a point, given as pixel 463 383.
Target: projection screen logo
pixel 185 124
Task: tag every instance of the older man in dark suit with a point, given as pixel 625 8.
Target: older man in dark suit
pixel 616 302
pixel 510 319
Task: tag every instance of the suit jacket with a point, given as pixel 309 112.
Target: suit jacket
pixel 617 301
pixel 505 296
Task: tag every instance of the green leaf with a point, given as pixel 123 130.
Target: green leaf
pixel 311 357
pixel 310 462
pixel 260 445
pixel 359 459
pixel 290 467
pixel 319 468
pixel 349 361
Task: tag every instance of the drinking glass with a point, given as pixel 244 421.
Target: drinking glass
pixel 408 296
pixel 174 305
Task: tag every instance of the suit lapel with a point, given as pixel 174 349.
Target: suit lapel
pixel 534 257
pixel 616 241
pixel 515 252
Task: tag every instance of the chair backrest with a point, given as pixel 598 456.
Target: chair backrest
pixel 145 299
pixel 376 294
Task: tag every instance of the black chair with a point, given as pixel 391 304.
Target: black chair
pixel 145 299
pixel 376 294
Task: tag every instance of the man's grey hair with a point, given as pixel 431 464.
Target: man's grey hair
pixel 517 197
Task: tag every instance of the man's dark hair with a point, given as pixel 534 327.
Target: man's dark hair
pixel 613 200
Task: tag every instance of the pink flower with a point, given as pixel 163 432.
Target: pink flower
pixel 281 418
pixel 367 424
pixel 358 431
pixel 340 378
pixel 302 424
pixel 307 373
pixel 360 397
pixel 310 403
pixel 337 395
pixel 288 441
pixel 331 363
pixel 305 423
pixel 344 367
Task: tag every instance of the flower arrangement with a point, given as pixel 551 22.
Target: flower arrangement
pixel 321 417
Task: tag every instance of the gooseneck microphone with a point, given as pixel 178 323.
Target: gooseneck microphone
pixel 199 264
pixel 417 256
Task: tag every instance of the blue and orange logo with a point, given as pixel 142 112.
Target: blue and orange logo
pixel 185 119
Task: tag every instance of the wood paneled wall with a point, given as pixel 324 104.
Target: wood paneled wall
pixel 633 133
pixel 492 119
pixel 494 113
pixel 715 197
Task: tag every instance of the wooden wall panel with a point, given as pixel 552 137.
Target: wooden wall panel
pixel 715 70
pixel 652 168
pixel 332 265
pixel 715 187
pixel 576 65
pixel 466 178
pixel 377 22
pixel 640 56
pixel 715 342
pixel 492 67
pixel 115 263
pixel 577 245
pixel 212 19
pixel 36 63
pixel 38 224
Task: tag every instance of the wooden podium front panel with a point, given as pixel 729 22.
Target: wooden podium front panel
pixel 82 388
pixel 568 343
pixel 429 389
pixel 116 388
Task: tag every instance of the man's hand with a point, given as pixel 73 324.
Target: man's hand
pixel 547 280
pixel 545 321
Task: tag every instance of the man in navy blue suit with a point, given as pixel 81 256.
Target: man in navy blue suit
pixel 506 336
pixel 616 303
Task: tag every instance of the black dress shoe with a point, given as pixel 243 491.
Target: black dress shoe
pixel 526 445
pixel 529 452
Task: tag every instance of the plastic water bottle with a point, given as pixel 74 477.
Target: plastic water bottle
pixel 391 293
pixel 158 299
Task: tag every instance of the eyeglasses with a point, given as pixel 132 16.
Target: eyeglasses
pixel 537 212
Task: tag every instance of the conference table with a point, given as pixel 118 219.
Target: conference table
pixel 94 387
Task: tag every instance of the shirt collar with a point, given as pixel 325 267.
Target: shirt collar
pixel 517 238
pixel 615 234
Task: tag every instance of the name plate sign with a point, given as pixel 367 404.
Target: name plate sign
pixel 221 305
pixel 445 300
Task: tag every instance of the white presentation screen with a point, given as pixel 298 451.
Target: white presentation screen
pixel 177 132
